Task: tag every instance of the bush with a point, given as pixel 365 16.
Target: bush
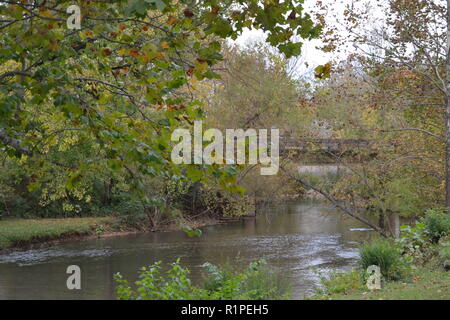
pixel 437 224
pixel 414 242
pixel 130 214
pixel 444 253
pixel 253 283
pixel 261 283
pixel 152 286
pixel 416 236
pixel 386 255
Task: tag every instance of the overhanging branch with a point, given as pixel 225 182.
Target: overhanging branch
pixel 335 203
pixel 13 143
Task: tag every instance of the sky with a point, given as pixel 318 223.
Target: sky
pixel 310 54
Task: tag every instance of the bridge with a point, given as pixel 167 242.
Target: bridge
pixel 327 151
pixel 323 145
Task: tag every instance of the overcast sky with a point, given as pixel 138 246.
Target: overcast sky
pixel 310 53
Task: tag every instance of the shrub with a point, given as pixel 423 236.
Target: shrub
pixel 130 214
pixel 260 283
pixel 444 253
pixel 416 236
pixel 386 255
pixel 414 242
pixel 253 283
pixel 152 286
pixel 437 224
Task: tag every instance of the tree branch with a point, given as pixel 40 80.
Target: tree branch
pixel 13 143
pixel 335 203
pixel 416 129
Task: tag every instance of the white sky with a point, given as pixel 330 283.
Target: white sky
pixel 310 53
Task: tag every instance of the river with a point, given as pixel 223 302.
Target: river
pixel 300 239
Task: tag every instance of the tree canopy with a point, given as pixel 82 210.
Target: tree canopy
pixel 108 96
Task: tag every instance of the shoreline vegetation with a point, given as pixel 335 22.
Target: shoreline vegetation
pixel 425 283
pixel 415 266
pixel 25 234
pixel 89 116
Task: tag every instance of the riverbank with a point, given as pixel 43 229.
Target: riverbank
pixel 22 234
pixel 277 235
pixel 429 282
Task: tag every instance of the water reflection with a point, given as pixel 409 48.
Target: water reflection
pixel 294 238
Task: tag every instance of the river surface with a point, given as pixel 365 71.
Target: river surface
pixel 302 240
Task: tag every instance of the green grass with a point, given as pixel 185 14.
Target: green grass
pixel 19 232
pixel 344 283
pixel 426 283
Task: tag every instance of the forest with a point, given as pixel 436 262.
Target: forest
pixel 91 93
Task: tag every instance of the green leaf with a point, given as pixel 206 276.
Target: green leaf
pixel 291 49
pixel 323 71
pixel 158 4
pixel 191 232
pixel 193 173
pixel 222 28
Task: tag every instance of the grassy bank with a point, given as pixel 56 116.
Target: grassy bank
pixel 415 266
pixel 23 232
pixel 426 283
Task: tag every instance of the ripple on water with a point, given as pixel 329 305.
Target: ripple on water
pixel 298 242
pixel 36 256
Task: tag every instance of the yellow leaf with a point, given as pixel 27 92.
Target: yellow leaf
pixel 45 13
pixel 172 20
pixel 165 44
pixel 122 52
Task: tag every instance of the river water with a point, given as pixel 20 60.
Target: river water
pixel 301 239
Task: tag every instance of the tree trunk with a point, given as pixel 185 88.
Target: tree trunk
pixel 394 224
pixel 447 114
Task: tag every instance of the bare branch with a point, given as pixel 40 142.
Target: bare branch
pixel 335 203
pixel 416 129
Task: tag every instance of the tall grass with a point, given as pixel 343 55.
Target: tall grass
pixel 386 255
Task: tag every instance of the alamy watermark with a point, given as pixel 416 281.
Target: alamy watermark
pixel 74 20
pixel 74 280
pixel 236 146
pixel 374 279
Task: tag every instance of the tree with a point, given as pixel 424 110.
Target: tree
pixel 405 38
pixel 255 90
pixel 447 98
pixel 120 85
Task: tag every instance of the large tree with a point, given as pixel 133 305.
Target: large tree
pixel 407 41
pixel 116 88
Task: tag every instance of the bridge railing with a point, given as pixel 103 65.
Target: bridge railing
pixel 291 143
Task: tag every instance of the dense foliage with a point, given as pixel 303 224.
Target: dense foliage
pixel 86 115
pixel 437 224
pixel 256 282
pixel 415 259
